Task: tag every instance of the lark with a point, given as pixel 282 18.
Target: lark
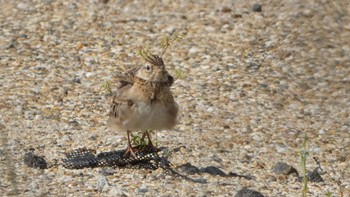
pixel 144 101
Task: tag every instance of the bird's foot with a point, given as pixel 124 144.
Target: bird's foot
pixel 130 151
pixel 151 147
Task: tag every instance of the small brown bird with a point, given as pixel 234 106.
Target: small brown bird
pixel 144 101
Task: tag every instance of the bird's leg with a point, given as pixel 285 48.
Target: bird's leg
pixel 129 150
pixel 143 136
pixel 150 144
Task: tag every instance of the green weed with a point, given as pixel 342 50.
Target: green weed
pixel 303 155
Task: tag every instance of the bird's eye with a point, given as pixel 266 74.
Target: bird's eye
pixel 148 67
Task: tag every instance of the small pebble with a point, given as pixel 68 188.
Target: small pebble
pixel 256 8
pixel 89 74
pixel 142 189
pixel 103 1
pixel 19 109
pixel 73 123
pixel 76 80
pixel 226 9
pixel 284 168
pixel 193 50
pixel 321 131
pixel 101 182
pixel 245 192
pixel 210 109
pixel 212 170
pixel 116 191
pixel 34 161
pixel 23 6
pixel 316 150
pixel 188 168
pixel 253 66
pixel 28 115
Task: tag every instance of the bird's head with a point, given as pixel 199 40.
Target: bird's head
pixel 154 70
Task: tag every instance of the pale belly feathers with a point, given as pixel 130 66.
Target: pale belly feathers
pixel 158 116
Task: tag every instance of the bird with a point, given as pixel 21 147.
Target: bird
pixel 143 101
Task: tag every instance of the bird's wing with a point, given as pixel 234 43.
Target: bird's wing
pixel 121 108
pixel 126 78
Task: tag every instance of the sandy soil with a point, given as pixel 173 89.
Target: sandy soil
pixel 254 83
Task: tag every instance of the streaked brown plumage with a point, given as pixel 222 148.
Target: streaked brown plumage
pixel 144 100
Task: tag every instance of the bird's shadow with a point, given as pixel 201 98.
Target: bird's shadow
pixel 190 169
pixel 145 159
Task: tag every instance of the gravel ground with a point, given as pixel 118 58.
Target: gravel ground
pixel 254 84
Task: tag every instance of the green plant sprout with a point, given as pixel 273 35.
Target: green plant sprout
pixel 10 168
pixel 107 87
pixel 303 155
pixel 167 41
pixel 145 53
pixel 137 140
pixel 179 74
pixel 168 153
pixel 329 194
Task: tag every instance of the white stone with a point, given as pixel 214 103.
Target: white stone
pixel 193 50
pixel 89 74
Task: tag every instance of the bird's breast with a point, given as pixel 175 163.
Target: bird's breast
pixel 157 116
